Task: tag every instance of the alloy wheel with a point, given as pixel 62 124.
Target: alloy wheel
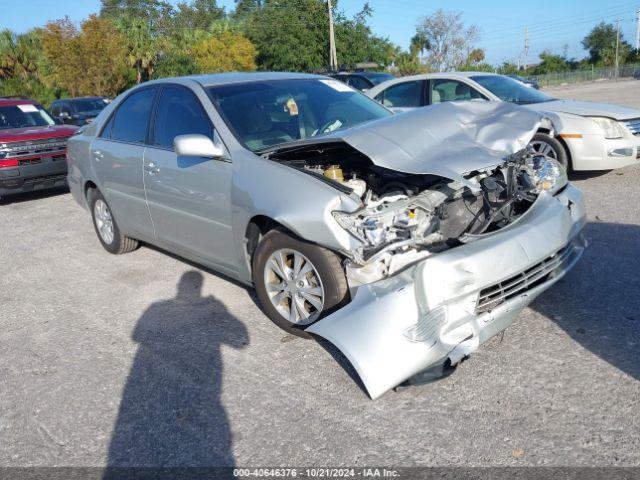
pixel 104 221
pixel 294 287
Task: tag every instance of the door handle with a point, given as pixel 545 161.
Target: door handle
pixel 151 168
pixel 98 155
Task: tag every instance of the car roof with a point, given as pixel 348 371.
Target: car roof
pixel 77 98
pixel 215 79
pixel 425 76
pixel 12 102
pixel 362 73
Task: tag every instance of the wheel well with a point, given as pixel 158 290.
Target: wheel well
pixel 257 227
pixel 87 186
pixel 567 151
pixel 562 142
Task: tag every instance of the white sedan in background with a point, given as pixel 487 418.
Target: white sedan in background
pixel 584 135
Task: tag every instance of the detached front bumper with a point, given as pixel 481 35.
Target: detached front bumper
pixel 447 305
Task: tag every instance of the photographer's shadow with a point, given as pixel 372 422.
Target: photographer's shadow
pixel 170 413
pixel 598 302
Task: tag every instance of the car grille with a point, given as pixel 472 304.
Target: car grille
pixel 633 124
pixel 35 147
pixel 495 294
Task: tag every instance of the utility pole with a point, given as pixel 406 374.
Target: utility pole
pixel 333 57
pixel 638 34
pixel 617 44
pixel 526 46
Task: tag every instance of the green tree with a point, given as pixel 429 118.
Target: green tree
pixel 23 66
pixel 245 7
pixel 174 64
pixel 294 35
pixel 408 63
pixel 419 44
pixel 144 9
pixel 224 53
pixel 89 61
pixel 197 14
pixel 551 63
pixel 141 43
pixel 601 44
pixel 290 34
pixel 356 43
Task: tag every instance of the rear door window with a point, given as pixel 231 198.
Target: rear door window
pixel 402 95
pixel 445 90
pixel 131 120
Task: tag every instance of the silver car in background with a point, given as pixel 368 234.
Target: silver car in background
pixel 581 135
pixel 406 241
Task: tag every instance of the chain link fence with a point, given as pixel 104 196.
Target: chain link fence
pixel 589 75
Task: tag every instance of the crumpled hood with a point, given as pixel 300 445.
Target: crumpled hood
pixel 447 139
pixel 586 109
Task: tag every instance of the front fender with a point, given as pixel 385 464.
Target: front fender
pixel 300 202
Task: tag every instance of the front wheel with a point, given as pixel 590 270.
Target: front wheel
pixel 297 282
pixel 550 147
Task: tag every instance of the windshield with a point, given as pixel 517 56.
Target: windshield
pixel 88 104
pixel 377 78
pixel 267 113
pixel 511 90
pixel 27 115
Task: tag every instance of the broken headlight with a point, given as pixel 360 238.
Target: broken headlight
pixel 546 174
pixel 382 224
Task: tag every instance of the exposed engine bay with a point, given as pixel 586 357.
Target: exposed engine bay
pixel 406 217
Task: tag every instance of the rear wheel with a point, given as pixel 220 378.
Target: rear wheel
pixel 297 282
pixel 550 147
pixel 106 226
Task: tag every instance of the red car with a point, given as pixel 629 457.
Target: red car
pixel 32 148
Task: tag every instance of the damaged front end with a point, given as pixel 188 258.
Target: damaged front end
pixel 399 228
pixel 449 249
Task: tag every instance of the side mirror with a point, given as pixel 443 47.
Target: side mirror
pixel 196 145
pixel 65 115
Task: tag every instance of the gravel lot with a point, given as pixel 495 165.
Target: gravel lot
pixel 144 359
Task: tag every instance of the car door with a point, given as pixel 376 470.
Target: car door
pixel 189 198
pixel 116 157
pixel 403 96
pixel 450 90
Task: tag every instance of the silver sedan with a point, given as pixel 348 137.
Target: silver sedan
pixel 407 241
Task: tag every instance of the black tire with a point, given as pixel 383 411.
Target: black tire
pixel 120 243
pixel 557 147
pixel 327 265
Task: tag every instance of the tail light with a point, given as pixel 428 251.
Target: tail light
pixel 9 163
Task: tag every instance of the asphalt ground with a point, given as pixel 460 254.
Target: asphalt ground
pixel 146 360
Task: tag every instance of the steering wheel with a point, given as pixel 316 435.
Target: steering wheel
pixel 325 126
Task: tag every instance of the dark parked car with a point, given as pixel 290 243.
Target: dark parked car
pixel 78 111
pixel 636 74
pixel 362 80
pixel 32 147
